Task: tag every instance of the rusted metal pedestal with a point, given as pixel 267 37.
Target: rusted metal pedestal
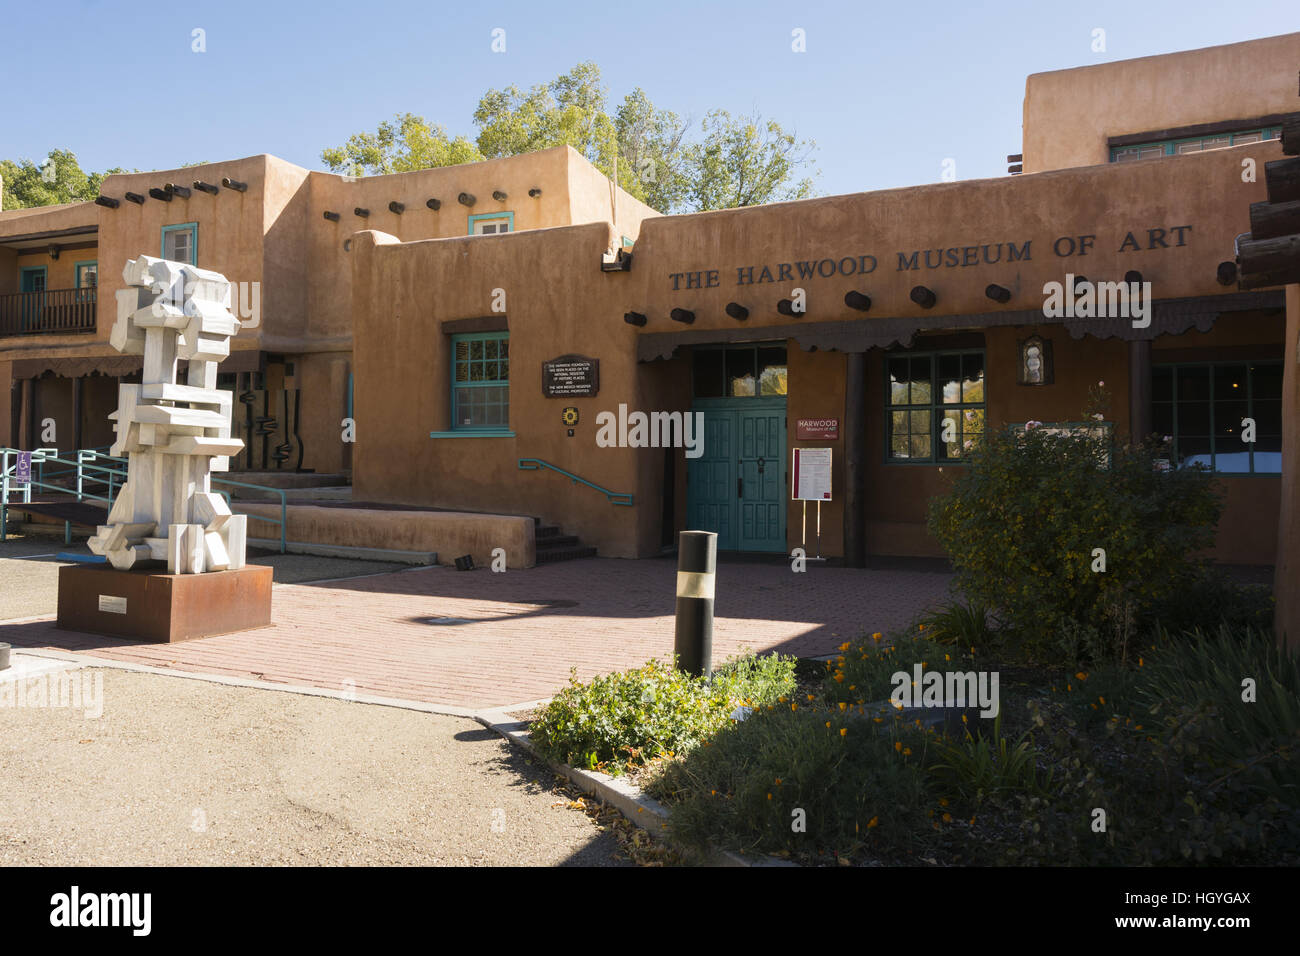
pixel 163 608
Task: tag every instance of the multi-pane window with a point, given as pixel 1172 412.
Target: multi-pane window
pixel 1202 408
pixel 1194 144
pixel 480 376
pixel 490 225
pixel 934 405
pixel 180 243
pixel 740 371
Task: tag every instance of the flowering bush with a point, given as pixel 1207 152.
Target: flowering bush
pixel 1058 531
pixel 630 716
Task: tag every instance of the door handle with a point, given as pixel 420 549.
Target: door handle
pixel 740 487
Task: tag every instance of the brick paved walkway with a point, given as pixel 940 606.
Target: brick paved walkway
pixel 512 648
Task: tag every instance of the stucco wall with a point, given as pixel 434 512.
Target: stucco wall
pixel 559 302
pixel 1069 114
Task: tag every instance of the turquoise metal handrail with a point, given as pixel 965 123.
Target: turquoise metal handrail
pixel 85 467
pixel 617 498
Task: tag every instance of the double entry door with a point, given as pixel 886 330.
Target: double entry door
pixel 736 487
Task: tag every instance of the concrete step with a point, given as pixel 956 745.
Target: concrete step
pixel 556 541
pixel 288 479
pixel 294 495
pixel 346 551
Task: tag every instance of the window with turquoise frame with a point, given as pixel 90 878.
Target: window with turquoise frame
pixel 480 381
pixel 1201 408
pixel 934 405
pixel 1192 144
pixel 492 223
pixel 87 277
pixel 180 243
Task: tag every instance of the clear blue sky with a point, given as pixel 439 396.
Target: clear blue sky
pixel 887 90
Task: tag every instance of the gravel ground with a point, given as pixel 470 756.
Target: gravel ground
pixel 30 586
pixel 183 772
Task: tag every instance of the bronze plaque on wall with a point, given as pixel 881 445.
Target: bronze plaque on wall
pixel 571 376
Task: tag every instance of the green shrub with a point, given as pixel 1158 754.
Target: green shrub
pixel 975 767
pixel 860 787
pixel 656 709
pixel 1209 600
pixel 863 671
pixel 1194 692
pixel 964 625
pixel 1021 523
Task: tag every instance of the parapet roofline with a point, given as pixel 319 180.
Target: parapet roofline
pixel 1110 64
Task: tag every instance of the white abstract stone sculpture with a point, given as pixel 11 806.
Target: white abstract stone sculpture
pixel 173 435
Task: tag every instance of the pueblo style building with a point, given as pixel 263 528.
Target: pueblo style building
pixel 531 343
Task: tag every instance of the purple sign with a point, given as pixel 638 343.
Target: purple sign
pixel 23 469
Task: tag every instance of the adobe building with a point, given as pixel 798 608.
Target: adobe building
pixel 483 365
pixel 278 232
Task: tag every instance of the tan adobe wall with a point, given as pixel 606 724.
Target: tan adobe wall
pixel 559 302
pixel 1068 114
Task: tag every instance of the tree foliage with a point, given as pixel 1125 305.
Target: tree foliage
pixel 735 162
pixel 56 178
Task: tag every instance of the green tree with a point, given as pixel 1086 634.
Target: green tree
pixel 57 178
pixel 651 152
pixel 407 143
pixel 746 161
pixel 740 162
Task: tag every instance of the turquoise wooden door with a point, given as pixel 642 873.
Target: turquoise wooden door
pixel 762 488
pixel 736 488
pixel 711 481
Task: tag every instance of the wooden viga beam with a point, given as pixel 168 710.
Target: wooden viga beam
pixel 1282 178
pixel 1274 220
pixel 1276 255
pixel 1291 135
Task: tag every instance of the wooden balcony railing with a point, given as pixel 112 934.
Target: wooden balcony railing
pixel 53 312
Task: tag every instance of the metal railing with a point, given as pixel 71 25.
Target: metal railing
pixel 614 497
pixel 92 468
pixel 50 312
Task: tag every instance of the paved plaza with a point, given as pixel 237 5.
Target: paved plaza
pixel 480 640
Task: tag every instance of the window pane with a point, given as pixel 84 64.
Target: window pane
pixel 1193 418
pixel 898 446
pixel 708 373
pixel 950 378
pixel 920 423
pixel 950 435
pixel 1162 418
pixel 1227 420
pixel 490 349
pixel 1268 417
pixel 1266 382
pixel 1162 384
pixel 1268 456
pixel 920 392
pixel 773 374
pixel 1193 384
pixel 462 351
pixel 462 371
pixel 476 349
pixel 972 387
pixel 920 445
pixel 898 422
pixel 898 379
pixel 1193 451
pixel 1240 138
pixel 740 372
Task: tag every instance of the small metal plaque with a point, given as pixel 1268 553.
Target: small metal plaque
pixel 110 604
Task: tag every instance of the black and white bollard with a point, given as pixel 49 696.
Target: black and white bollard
pixel 697 554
